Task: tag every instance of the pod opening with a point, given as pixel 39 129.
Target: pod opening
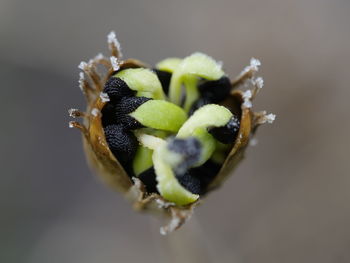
pixel 174 145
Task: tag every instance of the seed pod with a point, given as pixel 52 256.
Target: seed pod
pixel 102 99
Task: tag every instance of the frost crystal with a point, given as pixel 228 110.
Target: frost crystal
pixel 258 82
pixel 104 97
pixel 254 64
pixel 72 112
pixel 81 81
pixel 247 95
pixel 115 63
pixel 247 104
pixel 175 222
pixel 112 39
pixel 95 112
pixel 99 56
pixel 251 69
pixel 270 118
pixel 82 65
pixel 163 204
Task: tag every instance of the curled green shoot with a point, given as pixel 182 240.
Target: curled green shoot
pixel 143 81
pixel 197 65
pixel 169 64
pixel 208 116
pixel 167 185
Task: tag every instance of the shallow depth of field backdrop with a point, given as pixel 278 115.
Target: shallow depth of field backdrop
pixel 288 200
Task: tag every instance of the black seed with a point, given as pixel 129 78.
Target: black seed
pixel 190 148
pixel 108 115
pixel 206 173
pixel 123 144
pixel 164 78
pixel 148 178
pixel 126 106
pixel 199 103
pixel 129 104
pixel 116 89
pixel 216 90
pixel 228 133
pixel 190 182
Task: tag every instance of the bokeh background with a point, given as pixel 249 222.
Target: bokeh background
pixel 287 202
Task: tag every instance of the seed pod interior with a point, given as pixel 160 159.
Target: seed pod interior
pixel 166 136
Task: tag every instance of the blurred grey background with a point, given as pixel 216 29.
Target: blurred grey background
pixel 289 199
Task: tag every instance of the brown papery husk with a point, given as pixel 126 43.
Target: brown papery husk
pixel 102 160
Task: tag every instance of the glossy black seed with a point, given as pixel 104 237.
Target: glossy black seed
pixel 124 107
pixel 116 89
pixel 164 78
pixel 108 115
pixel 148 178
pixel 190 182
pixel 123 144
pixel 228 133
pixel 199 103
pixel 206 173
pixel 216 90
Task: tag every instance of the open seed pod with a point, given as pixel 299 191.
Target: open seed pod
pixel 165 137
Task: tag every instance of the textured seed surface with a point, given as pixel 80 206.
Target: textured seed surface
pixel 190 182
pixel 108 115
pixel 117 89
pixel 130 104
pixel 124 107
pixel 228 133
pixel 122 143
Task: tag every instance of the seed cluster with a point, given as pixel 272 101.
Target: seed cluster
pixel 177 130
pixel 189 146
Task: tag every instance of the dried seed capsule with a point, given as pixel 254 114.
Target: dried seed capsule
pixel 116 89
pixel 123 144
pixel 228 133
pixel 176 196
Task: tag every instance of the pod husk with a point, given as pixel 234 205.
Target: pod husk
pixel 101 159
